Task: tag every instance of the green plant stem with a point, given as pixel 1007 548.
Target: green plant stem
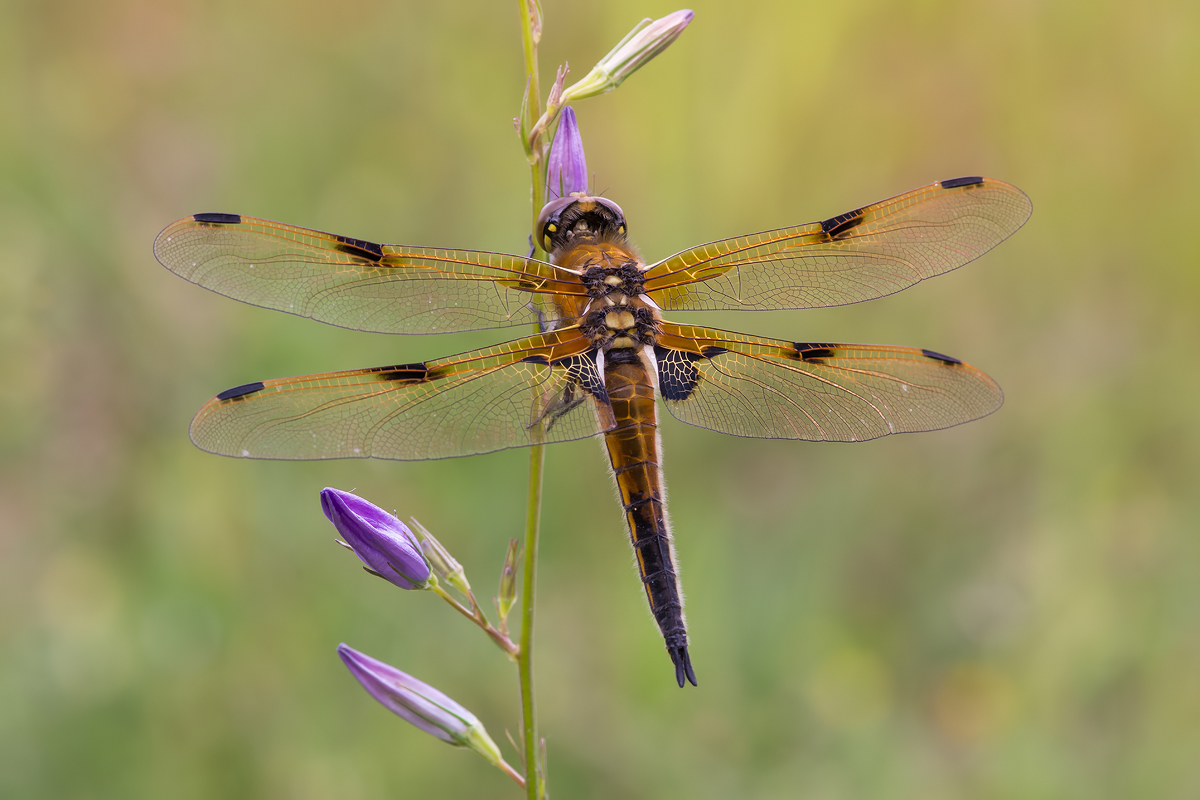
pixel 537 457
pixel 537 162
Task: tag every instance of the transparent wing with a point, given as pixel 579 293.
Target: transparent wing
pixel 766 388
pixel 544 388
pixel 358 284
pixel 860 255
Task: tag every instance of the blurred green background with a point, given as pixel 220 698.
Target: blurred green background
pixel 1009 609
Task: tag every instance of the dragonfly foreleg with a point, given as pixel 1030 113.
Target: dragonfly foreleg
pixel 565 403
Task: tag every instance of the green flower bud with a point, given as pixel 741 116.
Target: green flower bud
pixel 444 565
pixel 507 596
pixel 644 42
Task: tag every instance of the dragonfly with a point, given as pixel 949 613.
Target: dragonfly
pixel 603 354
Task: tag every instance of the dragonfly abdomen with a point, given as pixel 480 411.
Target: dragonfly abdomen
pixel 633 451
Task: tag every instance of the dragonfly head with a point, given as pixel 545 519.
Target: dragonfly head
pixel 563 222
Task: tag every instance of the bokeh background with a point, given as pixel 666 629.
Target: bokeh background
pixel 1009 609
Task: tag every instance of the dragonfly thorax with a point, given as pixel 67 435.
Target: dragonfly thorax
pixel 625 278
pixel 621 325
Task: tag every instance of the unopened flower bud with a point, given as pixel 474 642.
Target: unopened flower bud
pixel 566 169
pixel 507 596
pixel 644 42
pixel 420 704
pixel 384 543
pixel 444 565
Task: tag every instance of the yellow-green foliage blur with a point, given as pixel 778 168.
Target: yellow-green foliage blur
pixel 1008 609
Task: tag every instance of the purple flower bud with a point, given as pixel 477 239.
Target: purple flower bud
pixel 420 704
pixel 384 543
pixel 566 169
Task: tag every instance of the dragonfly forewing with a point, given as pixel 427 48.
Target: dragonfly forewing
pixel 860 255
pixel 353 283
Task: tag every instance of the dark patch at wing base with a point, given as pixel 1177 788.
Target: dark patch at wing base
pixel 241 391
pixel 677 373
pixel 582 369
pixel 954 183
pixel 224 219
pixel 360 247
pixel 584 380
pixel 939 357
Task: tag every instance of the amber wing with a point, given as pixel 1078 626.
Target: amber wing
pixel 860 255
pixel 772 389
pixel 543 388
pixel 353 283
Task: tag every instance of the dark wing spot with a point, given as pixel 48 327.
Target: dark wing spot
pixel 677 373
pixel 712 351
pixel 407 373
pixel 940 357
pixel 241 391
pixel 842 224
pixel 537 358
pixel 361 248
pixel 224 219
pixel 814 352
pixel 954 183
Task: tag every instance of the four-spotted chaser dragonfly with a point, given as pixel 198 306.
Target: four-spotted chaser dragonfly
pixel 605 350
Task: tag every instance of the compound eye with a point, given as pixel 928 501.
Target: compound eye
pixel 549 217
pixel 612 207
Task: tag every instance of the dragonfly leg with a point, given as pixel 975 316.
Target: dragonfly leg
pixel 568 401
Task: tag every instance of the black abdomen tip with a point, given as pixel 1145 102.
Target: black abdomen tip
pixel 224 219
pixel 954 183
pixel 683 665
